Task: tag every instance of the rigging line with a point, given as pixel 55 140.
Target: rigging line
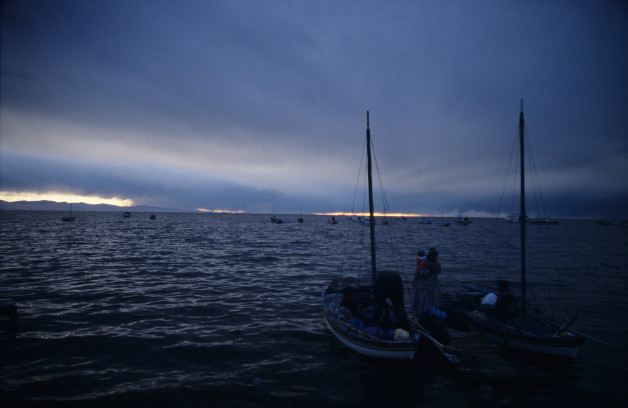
pixel 536 186
pixel 393 242
pixel 541 251
pixel 353 206
pixel 514 158
pixel 513 154
pixel 545 232
pixel 537 180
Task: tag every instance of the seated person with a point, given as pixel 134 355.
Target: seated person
pixel 349 306
pixel 505 307
pixel 388 285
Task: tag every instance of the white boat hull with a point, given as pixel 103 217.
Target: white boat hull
pixel 367 345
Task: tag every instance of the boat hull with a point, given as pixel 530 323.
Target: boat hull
pixel 367 345
pixel 565 347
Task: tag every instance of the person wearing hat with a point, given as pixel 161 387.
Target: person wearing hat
pixel 426 287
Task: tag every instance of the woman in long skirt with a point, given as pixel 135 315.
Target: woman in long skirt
pixel 426 286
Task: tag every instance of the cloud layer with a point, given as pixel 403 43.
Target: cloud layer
pixel 260 106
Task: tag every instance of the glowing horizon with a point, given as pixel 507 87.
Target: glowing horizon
pixel 13 196
pixel 365 214
pixel 221 211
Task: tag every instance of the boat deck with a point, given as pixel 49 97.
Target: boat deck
pixel 476 357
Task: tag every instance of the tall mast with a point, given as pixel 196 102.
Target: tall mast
pixel 522 216
pixel 371 213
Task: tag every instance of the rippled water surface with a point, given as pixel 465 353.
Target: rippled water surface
pixel 224 310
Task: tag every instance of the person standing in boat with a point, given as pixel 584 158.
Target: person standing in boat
pixel 426 287
pixel 420 258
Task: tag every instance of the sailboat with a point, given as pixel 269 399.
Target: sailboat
pixel 444 224
pixel 370 341
pixel 531 332
pixel 69 217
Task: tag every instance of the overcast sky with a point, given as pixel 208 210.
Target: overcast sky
pixel 261 105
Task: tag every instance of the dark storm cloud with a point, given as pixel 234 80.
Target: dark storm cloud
pixel 264 102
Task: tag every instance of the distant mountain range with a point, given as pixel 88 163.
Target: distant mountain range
pixel 55 206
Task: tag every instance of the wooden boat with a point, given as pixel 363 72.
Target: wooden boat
pixel 401 344
pixel 531 332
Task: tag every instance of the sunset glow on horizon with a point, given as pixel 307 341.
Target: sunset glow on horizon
pixel 12 196
pixel 221 211
pixel 376 214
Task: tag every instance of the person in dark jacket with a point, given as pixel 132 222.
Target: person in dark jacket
pixel 505 307
pixel 388 285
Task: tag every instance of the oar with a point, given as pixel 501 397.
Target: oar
pixel 423 331
pixel 553 324
pixel 567 324
pixel 590 338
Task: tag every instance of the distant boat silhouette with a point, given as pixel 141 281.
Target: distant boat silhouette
pixel 543 220
pixel 69 217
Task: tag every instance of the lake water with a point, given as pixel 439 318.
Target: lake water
pixel 224 310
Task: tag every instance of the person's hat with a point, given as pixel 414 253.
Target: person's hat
pixel 420 251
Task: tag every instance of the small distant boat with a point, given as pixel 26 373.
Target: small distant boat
pixel 463 220
pixel 614 223
pixel 543 220
pixel 152 217
pixel 276 220
pixel 333 220
pixel 127 214
pixel 513 218
pixel 69 217
pixel 362 221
